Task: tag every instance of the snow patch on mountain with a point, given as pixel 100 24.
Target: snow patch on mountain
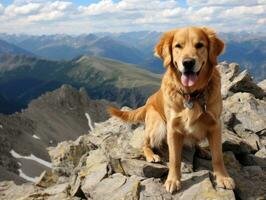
pixel 89 121
pixel 31 157
pixel 36 137
pixel 26 177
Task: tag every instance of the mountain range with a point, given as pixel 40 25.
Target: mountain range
pixel 8 48
pixel 24 78
pixel 249 50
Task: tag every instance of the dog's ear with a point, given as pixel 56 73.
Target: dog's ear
pixel 163 49
pixel 216 45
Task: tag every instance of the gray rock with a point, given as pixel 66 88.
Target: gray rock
pixel 137 138
pixel 202 164
pixel 65 157
pixel 260 158
pixel 250 138
pixel 233 81
pixel 117 187
pixel 143 169
pixel 113 136
pixel 75 189
pixel 56 189
pixel 153 189
pixel 46 179
pixel 232 142
pixel 261 153
pixel 10 191
pixel 253 170
pixel 262 85
pixel 96 169
pixel 194 186
pixel 228 119
pixel 228 73
pixel 249 111
pixel 199 186
pixel 243 83
pixel 248 187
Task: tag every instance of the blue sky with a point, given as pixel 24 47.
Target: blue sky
pixel 87 2
pixel 84 16
pixel 79 2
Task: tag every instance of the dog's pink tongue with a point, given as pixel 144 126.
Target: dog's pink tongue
pixel 189 80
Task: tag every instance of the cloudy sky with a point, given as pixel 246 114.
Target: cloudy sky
pixel 83 16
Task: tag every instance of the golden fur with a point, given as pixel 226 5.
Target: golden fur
pixel 164 114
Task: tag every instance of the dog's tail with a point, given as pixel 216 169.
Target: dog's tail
pixel 137 115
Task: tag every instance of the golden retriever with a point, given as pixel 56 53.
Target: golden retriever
pixel 188 105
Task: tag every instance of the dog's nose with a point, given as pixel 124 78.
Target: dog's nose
pixel 189 63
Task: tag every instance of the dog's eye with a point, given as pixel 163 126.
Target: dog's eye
pixel 199 45
pixel 178 46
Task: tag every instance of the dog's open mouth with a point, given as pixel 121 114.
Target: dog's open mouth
pixel 189 79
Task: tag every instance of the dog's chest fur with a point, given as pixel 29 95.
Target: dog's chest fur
pixel 190 123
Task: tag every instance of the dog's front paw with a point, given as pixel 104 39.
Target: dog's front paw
pixel 172 185
pixel 153 158
pixel 225 182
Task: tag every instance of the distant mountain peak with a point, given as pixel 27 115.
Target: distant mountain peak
pixel 7 48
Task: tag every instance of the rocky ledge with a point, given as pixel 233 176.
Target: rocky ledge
pixel 108 162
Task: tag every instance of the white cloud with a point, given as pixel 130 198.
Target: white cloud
pixel 225 3
pixel 245 10
pixel 14 10
pixel 59 5
pixel 36 11
pixel 40 16
pixel 45 16
pixel 173 12
pixel 261 21
pixel 126 6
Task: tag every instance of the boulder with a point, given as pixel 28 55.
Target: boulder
pixel 248 110
pixel 116 187
pixel 66 155
pixel 96 169
pixel 249 183
pixel 10 191
pixel 143 169
pixel 262 85
pixel 197 185
pixel 233 81
pixel 46 179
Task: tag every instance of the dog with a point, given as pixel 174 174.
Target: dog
pixel 188 105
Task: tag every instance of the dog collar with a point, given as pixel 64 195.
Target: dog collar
pixel 190 98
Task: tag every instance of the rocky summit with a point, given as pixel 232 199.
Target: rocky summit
pixel 108 163
pixel 63 114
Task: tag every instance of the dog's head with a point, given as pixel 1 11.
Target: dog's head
pixel 193 51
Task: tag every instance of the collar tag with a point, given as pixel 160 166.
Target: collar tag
pixel 189 99
pixel 188 104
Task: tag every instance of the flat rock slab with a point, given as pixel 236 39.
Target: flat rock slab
pixel 10 191
pixel 196 186
pixel 117 187
pixel 94 171
pixel 251 112
pixel 250 181
pixel 143 169
pixel 94 177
